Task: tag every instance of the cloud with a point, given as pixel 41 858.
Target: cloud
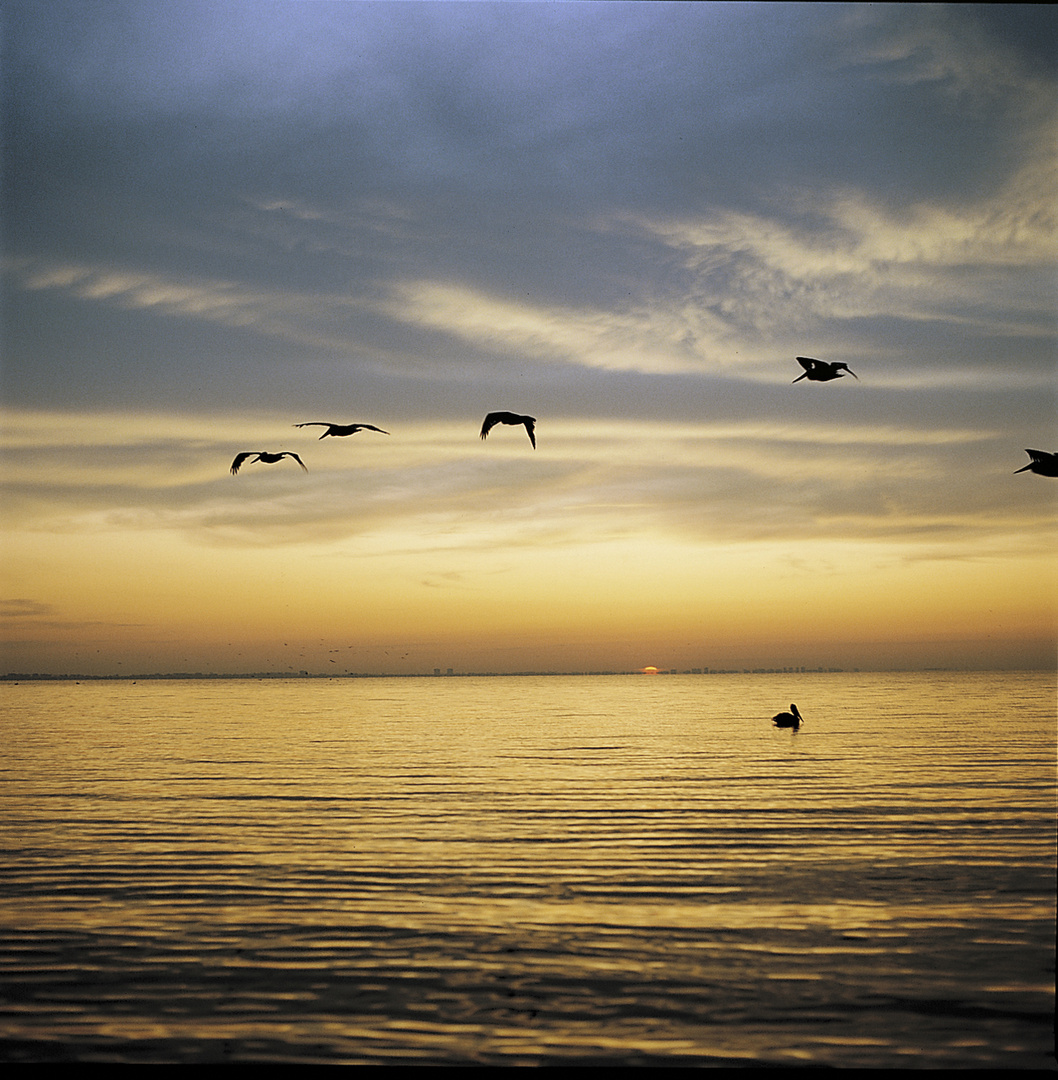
pixel 842 257
pixel 437 488
pixel 937 45
pixel 630 340
pixel 22 607
pixel 653 188
pixel 293 316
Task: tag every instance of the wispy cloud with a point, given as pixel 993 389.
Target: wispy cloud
pixel 440 488
pixel 610 340
pixel 22 607
pixel 301 317
pixel 933 44
pixel 846 257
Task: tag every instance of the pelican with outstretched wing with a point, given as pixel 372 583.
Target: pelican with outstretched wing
pixel 341 429
pixel 263 455
pixel 495 418
pixel 821 371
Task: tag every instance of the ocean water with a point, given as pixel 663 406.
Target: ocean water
pixel 622 870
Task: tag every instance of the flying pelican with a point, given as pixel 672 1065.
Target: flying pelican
pixel 821 371
pixel 791 719
pixel 265 456
pixel 341 429
pixel 1042 463
pixel 495 418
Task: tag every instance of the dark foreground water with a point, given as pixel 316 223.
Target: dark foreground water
pixel 628 870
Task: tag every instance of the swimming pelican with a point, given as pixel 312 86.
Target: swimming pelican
pixel 495 418
pixel 341 429
pixel 821 371
pixel 1042 463
pixel 791 719
pixel 265 456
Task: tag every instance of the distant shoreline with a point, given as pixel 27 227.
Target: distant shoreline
pixel 17 677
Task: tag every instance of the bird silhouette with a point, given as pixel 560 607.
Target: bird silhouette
pixel 495 418
pixel 821 371
pixel 265 456
pixel 791 719
pixel 341 429
pixel 1042 463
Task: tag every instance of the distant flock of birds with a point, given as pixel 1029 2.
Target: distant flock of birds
pixel 1041 463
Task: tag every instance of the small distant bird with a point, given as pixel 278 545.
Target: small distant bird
pixel 495 418
pixel 791 719
pixel 341 429
pixel 265 456
pixel 821 371
pixel 1042 463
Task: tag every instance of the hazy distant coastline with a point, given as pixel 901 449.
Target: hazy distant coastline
pixel 436 674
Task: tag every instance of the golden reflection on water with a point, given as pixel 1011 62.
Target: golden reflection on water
pixel 533 870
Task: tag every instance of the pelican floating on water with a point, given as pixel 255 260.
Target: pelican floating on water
pixel 1042 463
pixel 265 456
pixel 341 429
pixel 821 371
pixel 495 418
pixel 791 719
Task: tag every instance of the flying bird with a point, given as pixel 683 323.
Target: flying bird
pixel 1042 463
pixel 265 456
pixel 791 719
pixel 821 371
pixel 341 429
pixel 495 418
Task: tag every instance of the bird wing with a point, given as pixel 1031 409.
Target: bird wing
pixel 530 427
pixel 371 427
pixel 314 423
pixel 807 362
pixel 1041 463
pixel 240 458
pixel 490 422
pixel 290 453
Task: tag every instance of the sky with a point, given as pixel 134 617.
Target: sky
pixel 222 219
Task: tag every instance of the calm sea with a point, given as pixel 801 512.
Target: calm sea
pixel 623 870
